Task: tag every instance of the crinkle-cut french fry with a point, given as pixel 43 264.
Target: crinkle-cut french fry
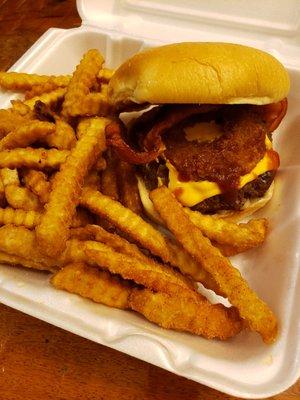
pixel 21 242
pixel 33 158
pixel 84 125
pixel 9 176
pixel 185 314
pixel 21 81
pixel 94 104
pixel 105 74
pixel 81 218
pixel 29 219
pixel 242 236
pixel 16 196
pixel 47 98
pixel 251 307
pixel 27 134
pixel 109 182
pixel 22 109
pixel 38 183
pixel 53 231
pixel 74 252
pixel 38 90
pixel 128 189
pixel 22 198
pixel 92 283
pixel 81 82
pixel 2 194
pixel 10 120
pixel 150 274
pixel 63 138
pixel 15 260
pixel 116 242
pixel 142 232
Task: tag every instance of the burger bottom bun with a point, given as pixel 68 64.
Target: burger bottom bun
pixel 250 207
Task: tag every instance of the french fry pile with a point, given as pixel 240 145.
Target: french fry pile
pixel 71 207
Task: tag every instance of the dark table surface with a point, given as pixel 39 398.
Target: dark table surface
pixel 40 361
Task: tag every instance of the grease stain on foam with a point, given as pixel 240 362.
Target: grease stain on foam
pixel 268 360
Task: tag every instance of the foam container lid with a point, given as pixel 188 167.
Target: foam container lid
pixel 243 366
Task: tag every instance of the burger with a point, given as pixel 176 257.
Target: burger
pixel 201 118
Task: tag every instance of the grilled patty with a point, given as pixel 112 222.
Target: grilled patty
pixel 234 200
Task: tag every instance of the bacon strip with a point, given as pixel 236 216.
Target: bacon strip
pixel 124 151
pixel 273 114
pixel 174 116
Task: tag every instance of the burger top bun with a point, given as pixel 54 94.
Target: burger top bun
pixel 211 73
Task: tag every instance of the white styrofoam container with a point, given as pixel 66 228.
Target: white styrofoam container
pixel 243 366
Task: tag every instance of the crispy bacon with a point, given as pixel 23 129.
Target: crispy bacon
pixel 174 115
pixel 272 114
pixel 115 139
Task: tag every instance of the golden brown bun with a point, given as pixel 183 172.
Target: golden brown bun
pixel 250 207
pixel 207 73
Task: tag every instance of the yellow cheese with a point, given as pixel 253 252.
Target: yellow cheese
pixel 192 193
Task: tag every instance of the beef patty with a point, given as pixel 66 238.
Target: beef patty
pixel 233 200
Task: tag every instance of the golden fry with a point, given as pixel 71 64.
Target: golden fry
pixel 82 80
pixel 21 242
pixel 9 177
pixel 28 219
pixel 240 236
pixel 27 134
pixel 74 252
pixel 20 81
pixel 94 284
pixel 84 125
pixel 15 260
pixel 37 182
pixel 18 197
pixel 116 242
pixel 251 307
pixel 63 138
pixel 2 194
pixel 38 90
pixel 142 232
pixel 149 274
pixel 53 231
pixel 95 104
pixel 109 183
pixel 10 120
pixel 185 314
pixel 33 158
pixel 105 74
pixel 18 107
pixel 47 98
pixel 22 198
pixel 128 189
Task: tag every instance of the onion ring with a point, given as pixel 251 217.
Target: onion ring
pixel 173 116
pixel 224 159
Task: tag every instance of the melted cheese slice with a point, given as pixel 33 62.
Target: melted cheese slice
pixel 192 193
